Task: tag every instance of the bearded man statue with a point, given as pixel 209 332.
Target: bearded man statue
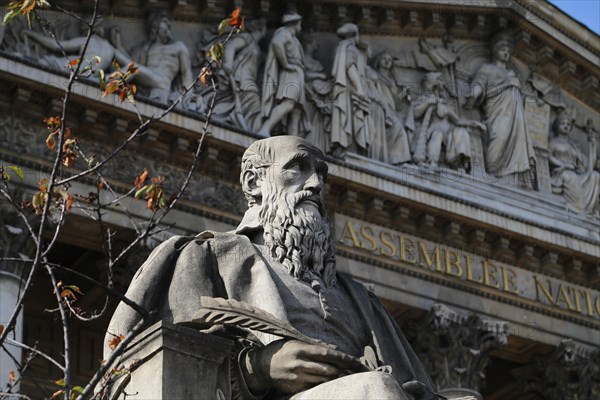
pixel 281 259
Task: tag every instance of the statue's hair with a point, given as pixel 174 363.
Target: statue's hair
pixel 258 157
pixel 154 20
pixel 502 38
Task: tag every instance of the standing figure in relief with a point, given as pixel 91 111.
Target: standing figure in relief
pixel 441 127
pixel 349 120
pixel 509 148
pixel 283 83
pixel 318 89
pixel 389 140
pixel 165 65
pixel 239 102
pixel 572 177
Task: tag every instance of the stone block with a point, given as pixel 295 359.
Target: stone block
pixel 175 362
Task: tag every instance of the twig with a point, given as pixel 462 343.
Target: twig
pixel 36 351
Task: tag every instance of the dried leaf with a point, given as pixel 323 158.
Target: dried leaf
pixel 1 329
pixel 60 382
pixel 141 178
pixel 111 87
pixel 236 19
pixel 100 185
pixel 74 62
pixel 114 342
pixel 56 394
pixel 11 376
pixel 205 75
pixel 216 52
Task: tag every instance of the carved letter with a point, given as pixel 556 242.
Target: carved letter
pixel 563 297
pixel 469 262
pixel 546 292
pixel 453 263
pixel 367 233
pixel 508 279
pixel 349 234
pixel 490 272
pixel 387 244
pixel 406 251
pixel 424 256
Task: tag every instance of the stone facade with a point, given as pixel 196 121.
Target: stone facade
pixel 407 101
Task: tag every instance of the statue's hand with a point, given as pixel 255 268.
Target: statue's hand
pixel 293 366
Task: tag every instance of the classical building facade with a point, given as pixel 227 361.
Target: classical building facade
pixel 464 167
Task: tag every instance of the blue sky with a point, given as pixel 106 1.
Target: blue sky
pixel 585 11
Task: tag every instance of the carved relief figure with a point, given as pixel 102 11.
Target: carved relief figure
pixel 165 67
pixel 349 121
pixel 281 259
pixel 441 127
pixel 239 101
pixel 498 89
pixel 318 90
pixel 97 46
pixel 283 96
pixel 389 141
pixel 573 176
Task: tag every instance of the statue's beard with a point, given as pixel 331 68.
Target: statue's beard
pixel 298 238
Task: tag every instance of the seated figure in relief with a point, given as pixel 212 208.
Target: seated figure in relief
pixel 97 46
pixel 573 176
pixel 281 259
pixel 165 67
pixel 441 128
pixel 497 88
pixel 238 100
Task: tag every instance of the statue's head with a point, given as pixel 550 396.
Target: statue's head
pixel 284 176
pixel 256 26
pixel 348 31
pixel 432 80
pixel 384 61
pixel 502 46
pixel 159 27
pixel 563 124
pixel 293 21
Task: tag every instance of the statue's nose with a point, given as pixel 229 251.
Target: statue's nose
pixel 314 183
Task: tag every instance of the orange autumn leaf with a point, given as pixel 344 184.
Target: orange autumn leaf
pixel 11 376
pixel 114 342
pixel 205 75
pixel 56 394
pixel 139 180
pixel 68 202
pixel 1 329
pixel 100 186
pixel 74 62
pixel 235 19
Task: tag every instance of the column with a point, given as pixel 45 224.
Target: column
pixel 455 348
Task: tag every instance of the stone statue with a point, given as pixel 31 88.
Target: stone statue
pixel 283 82
pixel 318 91
pixel 509 149
pixel 573 177
pixel 164 66
pixel 389 140
pixel 441 127
pixel 281 259
pixel 349 120
pixel 97 46
pixel 238 102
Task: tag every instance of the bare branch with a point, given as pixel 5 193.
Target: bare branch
pixel 36 351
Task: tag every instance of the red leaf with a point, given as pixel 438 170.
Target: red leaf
pixel 100 185
pixel 235 19
pixel 139 180
pixel 1 329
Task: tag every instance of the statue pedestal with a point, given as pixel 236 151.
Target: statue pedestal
pixel 175 362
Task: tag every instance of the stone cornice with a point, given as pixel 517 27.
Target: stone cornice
pixel 385 196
